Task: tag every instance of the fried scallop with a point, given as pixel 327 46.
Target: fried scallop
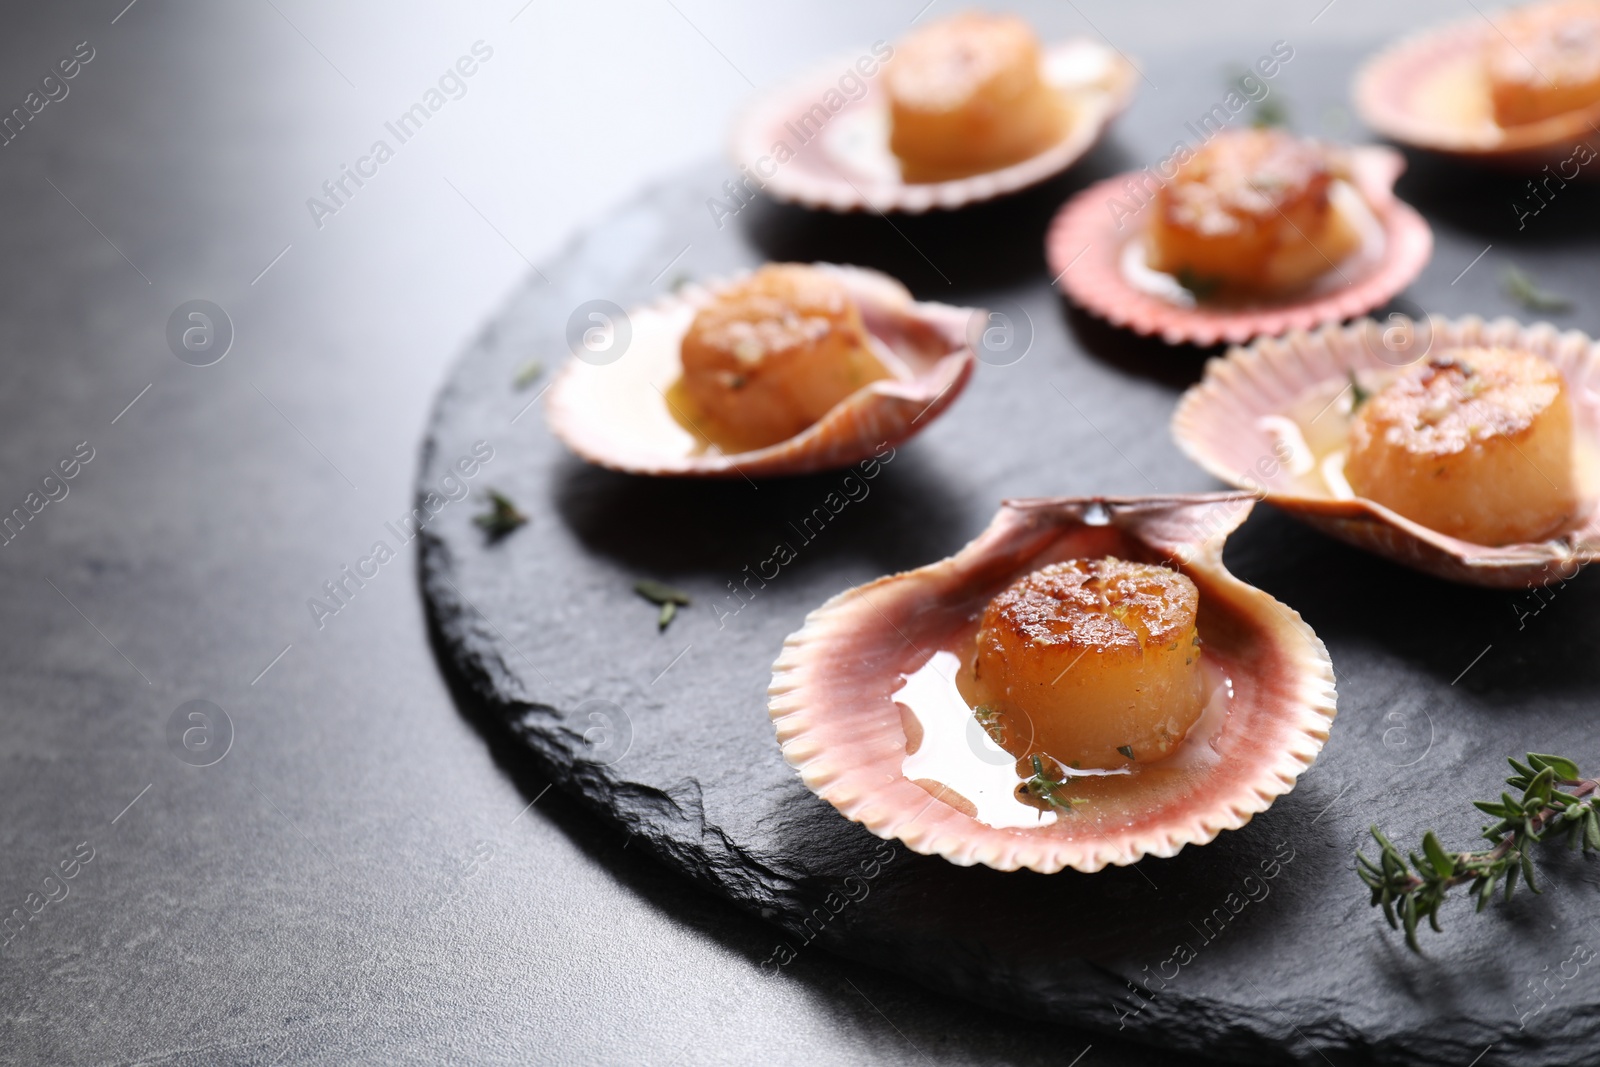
pixel 1251 211
pixel 1544 62
pixel 967 95
pixel 1097 660
pixel 1476 443
pixel 771 355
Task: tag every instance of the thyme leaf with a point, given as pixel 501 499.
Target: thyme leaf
pixel 501 518
pixel 664 596
pixel 1524 289
pixel 1555 802
pixel 527 374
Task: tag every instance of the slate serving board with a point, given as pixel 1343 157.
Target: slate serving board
pixel 1259 947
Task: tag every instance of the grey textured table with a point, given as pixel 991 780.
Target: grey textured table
pixel 361 877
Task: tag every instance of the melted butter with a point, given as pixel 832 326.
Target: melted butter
pixel 949 752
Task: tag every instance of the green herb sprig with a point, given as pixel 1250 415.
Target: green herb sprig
pixel 663 595
pixel 1555 801
pixel 1524 289
pixel 527 374
pixel 1358 394
pixel 1199 286
pixel 1043 787
pixel 501 518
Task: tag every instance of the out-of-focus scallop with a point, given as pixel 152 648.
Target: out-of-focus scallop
pixel 1431 91
pixel 1096 255
pixel 866 708
pixel 619 414
pixel 843 163
pixel 1274 418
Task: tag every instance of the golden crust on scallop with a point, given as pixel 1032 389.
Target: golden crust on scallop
pixel 1097 660
pixel 1474 442
pixel 1545 61
pixel 770 355
pixel 1251 210
pixel 967 95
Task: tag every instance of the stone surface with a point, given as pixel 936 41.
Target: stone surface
pixel 666 734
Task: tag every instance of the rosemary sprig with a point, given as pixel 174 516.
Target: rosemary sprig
pixel 501 518
pixel 1555 801
pixel 1524 289
pixel 663 595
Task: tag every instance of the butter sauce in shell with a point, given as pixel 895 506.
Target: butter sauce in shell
pixel 832 702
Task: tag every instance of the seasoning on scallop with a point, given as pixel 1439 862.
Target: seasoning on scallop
pixel 771 355
pixel 1544 61
pixel 1253 211
pixel 967 95
pixel 1096 660
pixel 1476 443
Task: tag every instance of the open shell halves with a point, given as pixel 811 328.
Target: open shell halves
pixel 1232 423
pixel 845 165
pixel 1428 91
pixel 1088 246
pixel 840 727
pixel 618 415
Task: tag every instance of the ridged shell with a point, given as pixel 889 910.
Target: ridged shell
pixel 847 166
pixel 1218 424
pixel 1399 93
pixel 616 415
pixel 831 703
pixel 1086 243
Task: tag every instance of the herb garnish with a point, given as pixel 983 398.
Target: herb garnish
pixel 1408 896
pixel 989 718
pixel 1198 286
pixel 501 518
pixel 1524 289
pixel 1126 750
pixel 527 374
pixel 664 595
pixel 1048 789
pixel 1358 395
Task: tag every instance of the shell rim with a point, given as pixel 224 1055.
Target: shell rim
pixel 1311 716
pixel 842 196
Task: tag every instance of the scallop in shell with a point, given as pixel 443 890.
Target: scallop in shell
pixel 1276 418
pixel 1096 250
pixel 868 704
pixel 817 144
pixel 1433 91
pixel 628 415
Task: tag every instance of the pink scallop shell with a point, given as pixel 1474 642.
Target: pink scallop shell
pixel 1217 424
pixel 840 728
pixel 616 415
pixel 1085 246
pixel 1388 86
pixel 821 176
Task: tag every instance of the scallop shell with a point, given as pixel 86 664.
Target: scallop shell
pixel 1428 91
pixel 847 165
pixel 1088 247
pixel 840 727
pixel 616 414
pixel 1230 424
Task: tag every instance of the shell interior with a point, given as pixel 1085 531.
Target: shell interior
pixel 1271 418
pixel 618 414
pixel 844 164
pixel 864 712
pixel 1095 249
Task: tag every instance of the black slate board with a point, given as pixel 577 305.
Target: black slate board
pixel 667 734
